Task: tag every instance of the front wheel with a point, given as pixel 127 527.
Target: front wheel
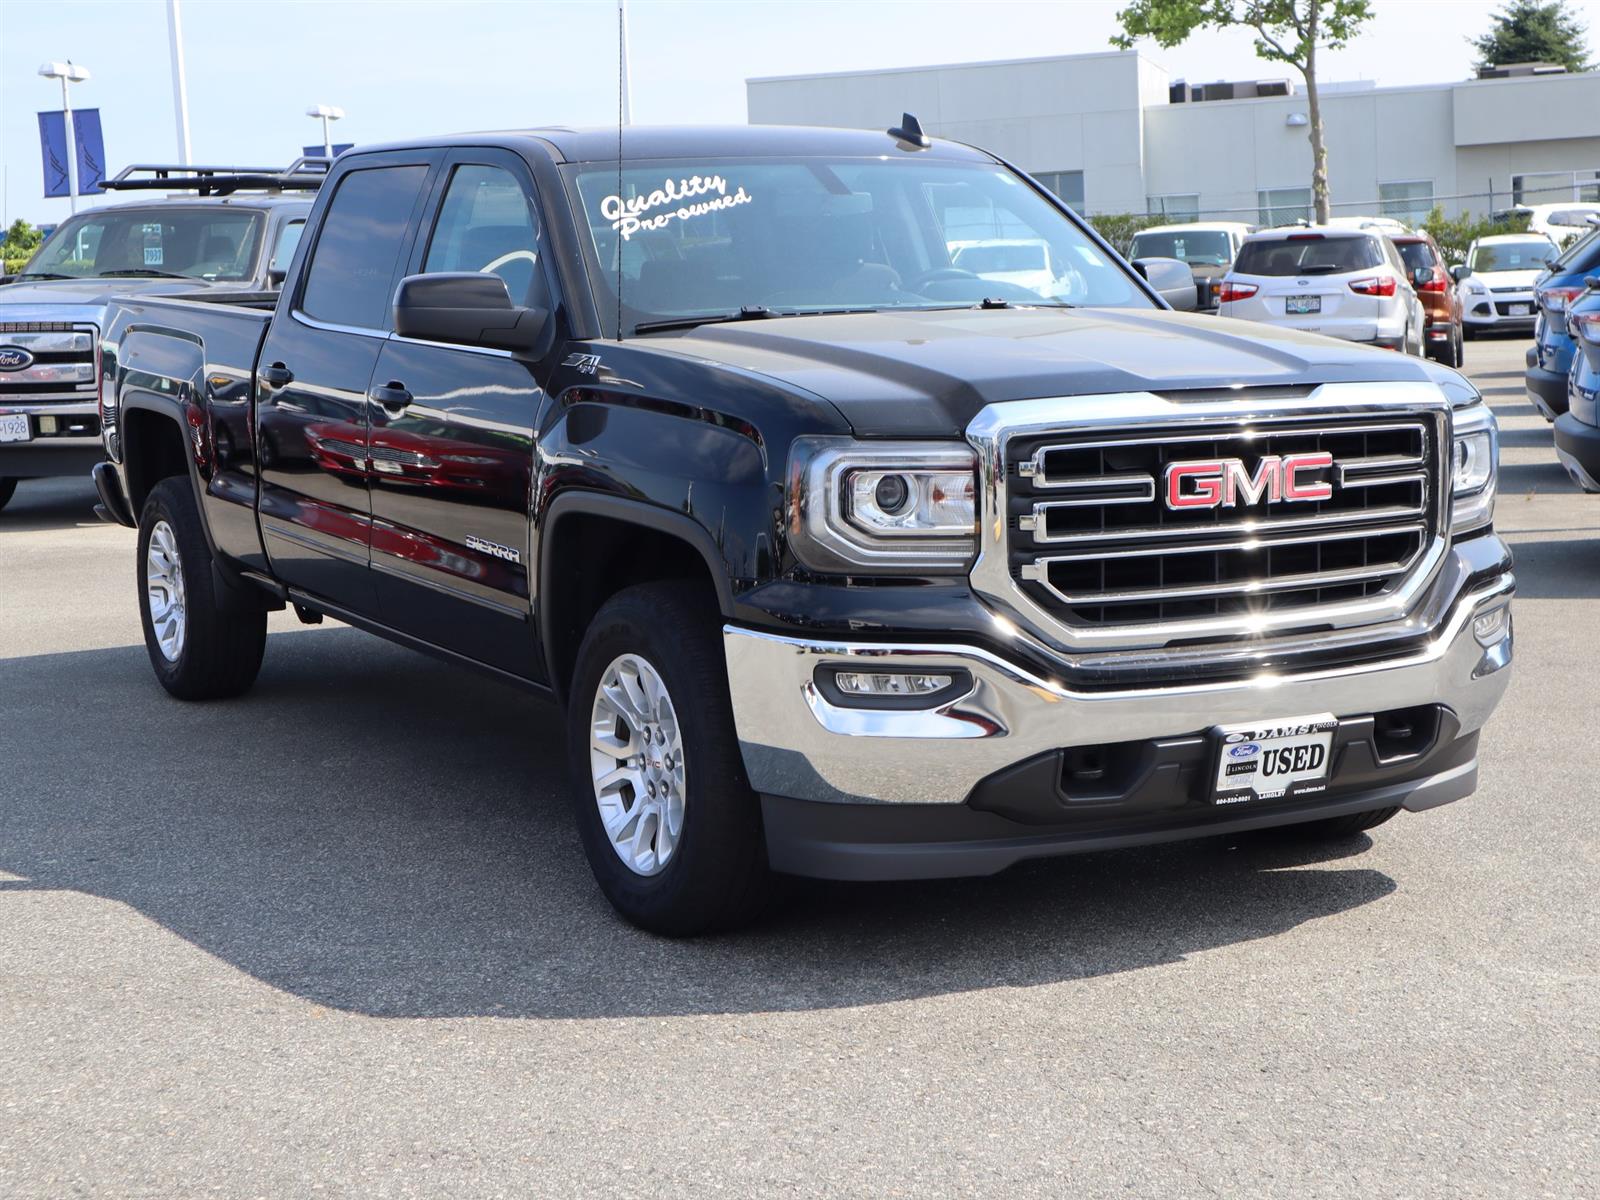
pixel 200 649
pixel 8 489
pixel 669 822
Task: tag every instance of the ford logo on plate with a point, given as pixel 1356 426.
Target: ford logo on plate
pixel 14 358
pixel 1245 751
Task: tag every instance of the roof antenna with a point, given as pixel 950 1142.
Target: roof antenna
pixel 909 133
pixel 622 117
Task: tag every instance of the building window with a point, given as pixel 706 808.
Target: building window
pixel 1175 208
pixel 1066 184
pixel 1406 200
pixel 1283 206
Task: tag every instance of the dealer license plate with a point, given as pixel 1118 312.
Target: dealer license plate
pixel 14 428
pixel 1299 306
pixel 1273 760
pixel 1519 310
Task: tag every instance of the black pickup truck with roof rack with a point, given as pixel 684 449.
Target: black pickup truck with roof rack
pixel 227 229
pixel 836 558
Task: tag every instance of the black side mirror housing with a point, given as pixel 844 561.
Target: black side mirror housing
pixel 1172 278
pixel 466 308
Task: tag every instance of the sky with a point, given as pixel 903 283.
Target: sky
pixel 406 68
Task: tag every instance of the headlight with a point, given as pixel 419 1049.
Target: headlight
pixel 1474 460
pixel 1476 288
pixel 893 507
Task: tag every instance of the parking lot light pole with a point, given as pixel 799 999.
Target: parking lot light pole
pixel 69 73
pixel 328 113
pixel 180 87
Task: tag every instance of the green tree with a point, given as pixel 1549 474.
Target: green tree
pixel 21 241
pixel 1530 31
pixel 1287 31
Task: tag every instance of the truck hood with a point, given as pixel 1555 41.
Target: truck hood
pixel 927 374
pixel 89 291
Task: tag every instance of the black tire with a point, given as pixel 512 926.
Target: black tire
pixel 717 875
pixel 1457 354
pixel 1343 827
pixel 1468 333
pixel 8 489
pixel 220 649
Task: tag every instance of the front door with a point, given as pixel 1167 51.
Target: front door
pixel 312 423
pixel 453 436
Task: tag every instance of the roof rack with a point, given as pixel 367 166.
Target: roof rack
pixel 304 174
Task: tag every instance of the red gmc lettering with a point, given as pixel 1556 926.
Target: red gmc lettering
pixel 1226 482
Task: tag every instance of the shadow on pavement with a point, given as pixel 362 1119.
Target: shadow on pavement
pixel 376 832
pixel 1565 568
pixel 40 505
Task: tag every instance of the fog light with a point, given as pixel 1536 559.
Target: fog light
pixel 858 683
pixel 47 426
pixel 1492 627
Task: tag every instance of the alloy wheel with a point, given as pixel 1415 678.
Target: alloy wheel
pixel 636 764
pixel 163 581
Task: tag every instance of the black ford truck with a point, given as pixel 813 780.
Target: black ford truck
pixel 841 560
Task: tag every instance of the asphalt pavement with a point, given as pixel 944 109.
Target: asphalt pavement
pixel 337 937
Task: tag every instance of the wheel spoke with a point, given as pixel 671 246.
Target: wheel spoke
pixel 636 764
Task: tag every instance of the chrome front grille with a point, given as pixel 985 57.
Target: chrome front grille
pixel 1096 543
pixel 63 366
pixel 1083 544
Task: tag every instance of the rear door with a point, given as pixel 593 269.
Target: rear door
pixel 453 433
pixel 312 422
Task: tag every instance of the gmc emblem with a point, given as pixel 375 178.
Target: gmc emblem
pixel 1224 482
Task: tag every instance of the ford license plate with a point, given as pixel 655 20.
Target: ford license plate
pixel 1519 310
pixel 14 427
pixel 1273 760
pixel 1299 306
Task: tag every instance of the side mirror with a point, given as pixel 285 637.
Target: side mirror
pixel 1172 278
pixel 466 308
pixel 1592 282
pixel 1421 276
pixel 1460 273
pixel 275 277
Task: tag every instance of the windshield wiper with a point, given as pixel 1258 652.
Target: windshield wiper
pixel 43 275
pixel 750 312
pixel 143 271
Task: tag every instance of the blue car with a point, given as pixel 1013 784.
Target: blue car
pixel 1550 358
pixel 1578 429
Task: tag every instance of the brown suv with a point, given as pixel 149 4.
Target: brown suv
pixel 1439 299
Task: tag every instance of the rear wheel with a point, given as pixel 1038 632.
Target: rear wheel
pixel 1342 827
pixel 669 823
pixel 200 649
pixel 1457 353
pixel 8 488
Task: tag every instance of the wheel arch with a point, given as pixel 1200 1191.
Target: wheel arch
pixel 628 542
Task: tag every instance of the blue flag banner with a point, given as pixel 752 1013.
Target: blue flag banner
pixel 91 151
pixel 53 145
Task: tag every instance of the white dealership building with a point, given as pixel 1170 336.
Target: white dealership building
pixel 1112 133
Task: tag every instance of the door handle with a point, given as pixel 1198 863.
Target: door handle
pixel 393 396
pixel 276 375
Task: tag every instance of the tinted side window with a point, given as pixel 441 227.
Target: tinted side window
pixel 1418 256
pixel 352 267
pixel 486 224
pixel 288 239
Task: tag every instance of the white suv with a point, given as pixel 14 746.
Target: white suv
pixel 1344 283
pixel 1496 284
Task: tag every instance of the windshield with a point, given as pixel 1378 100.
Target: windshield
pixel 1418 256
pixel 1526 255
pixel 194 243
pixel 1209 248
pixel 709 237
pixel 1308 254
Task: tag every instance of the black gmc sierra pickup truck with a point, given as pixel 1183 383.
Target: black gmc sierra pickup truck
pixel 840 559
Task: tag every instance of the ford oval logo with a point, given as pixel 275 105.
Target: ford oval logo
pixel 1244 751
pixel 14 358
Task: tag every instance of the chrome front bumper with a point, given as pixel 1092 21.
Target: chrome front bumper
pixel 798 744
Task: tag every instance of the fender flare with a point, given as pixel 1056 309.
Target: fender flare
pixel 631 512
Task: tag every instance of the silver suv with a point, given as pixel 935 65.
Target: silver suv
pixel 1345 283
